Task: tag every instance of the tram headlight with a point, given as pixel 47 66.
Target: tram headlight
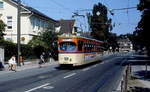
pixel 66 58
pixel 70 59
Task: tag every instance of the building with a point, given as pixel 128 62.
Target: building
pixel 125 45
pixel 70 27
pixel 32 21
pixel 66 26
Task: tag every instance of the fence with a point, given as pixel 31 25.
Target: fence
pixel 126 76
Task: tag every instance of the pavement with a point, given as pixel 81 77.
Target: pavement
pixel 139 80
pixel 28 64
pixel 138 72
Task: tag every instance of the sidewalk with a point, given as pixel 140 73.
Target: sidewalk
pixel 139 73
pixel 34 64
pixel 28 65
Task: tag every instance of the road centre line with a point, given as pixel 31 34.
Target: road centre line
pixel 72 74
pixel 37 87
pixel 102 63
pixel 86 69
pixel 94 66
pixel 48 87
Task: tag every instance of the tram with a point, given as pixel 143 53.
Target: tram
pixel 77 50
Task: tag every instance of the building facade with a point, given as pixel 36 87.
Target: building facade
pixel 125 45
pixel 66 27
pixel 33 22
pixel 70 27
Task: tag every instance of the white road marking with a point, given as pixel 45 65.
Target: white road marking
pixel 37 87
pixel 42 77
pixel 72 74
pixel 94 66
pixel 86 69
pixel 102 62
pixel 48 87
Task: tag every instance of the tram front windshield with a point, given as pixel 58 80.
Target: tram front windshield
pixel 67 46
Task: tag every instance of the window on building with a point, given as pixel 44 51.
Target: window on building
pixel 9 39
pixel 1 5
pixel 34 23
pixel 9 22
pixel 38 24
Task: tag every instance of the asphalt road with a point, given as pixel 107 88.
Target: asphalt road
pixel 97 77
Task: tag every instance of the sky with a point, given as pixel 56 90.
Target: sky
pixel 125 20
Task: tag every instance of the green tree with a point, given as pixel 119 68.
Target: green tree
pixel 45 42
pixel 36 41
pixel 2 29
pixel 49 37
pixel 142 30
pixel 99 22
pixel 112 41
pixel 101 26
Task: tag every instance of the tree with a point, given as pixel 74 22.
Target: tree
pixel 2 29
pixel 99 22
pixel 36 41
pixel 45 42
pixel 101 26
pixel 112 41
pixel 142 30
pixel 49 37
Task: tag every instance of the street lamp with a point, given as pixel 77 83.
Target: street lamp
pixel 18 32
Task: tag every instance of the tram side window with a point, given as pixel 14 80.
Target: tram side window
pixel 80 45
pixel 86 47
pixel 89 48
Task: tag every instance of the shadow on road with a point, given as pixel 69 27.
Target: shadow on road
pixel 70 67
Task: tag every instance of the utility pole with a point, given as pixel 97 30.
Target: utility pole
pixel 78 15
pixel 18 32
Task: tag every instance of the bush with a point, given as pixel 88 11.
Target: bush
pixel 26 51
pixel 38 51
pixel 10 49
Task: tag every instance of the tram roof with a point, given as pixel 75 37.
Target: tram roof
pixel 76 36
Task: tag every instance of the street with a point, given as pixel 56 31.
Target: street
pixel 101 76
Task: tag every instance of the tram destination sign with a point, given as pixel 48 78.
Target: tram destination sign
pixel 67 39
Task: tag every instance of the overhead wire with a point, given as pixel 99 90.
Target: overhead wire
pixel 128 12
pixel 61 5
pixel 103 1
